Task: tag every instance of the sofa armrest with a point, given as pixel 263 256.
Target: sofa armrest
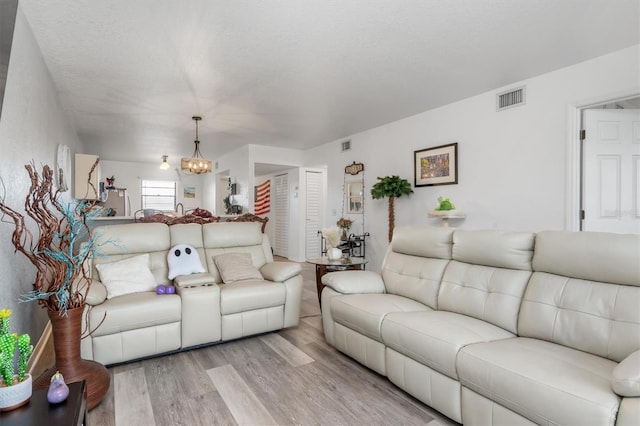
pixel 97 293
pixel 350 282
pixel 280 271
pixel 194 280
pixel 625 379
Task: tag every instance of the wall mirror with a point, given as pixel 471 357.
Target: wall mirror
pixel 355 196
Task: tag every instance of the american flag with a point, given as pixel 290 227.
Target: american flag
pixel 263 198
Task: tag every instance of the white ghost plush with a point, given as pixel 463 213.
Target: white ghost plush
pixel 183 259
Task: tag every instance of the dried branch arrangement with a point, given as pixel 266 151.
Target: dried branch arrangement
pixel 61 246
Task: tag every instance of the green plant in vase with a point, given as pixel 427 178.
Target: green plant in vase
pixel 9 342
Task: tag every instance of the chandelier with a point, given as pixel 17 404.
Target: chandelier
pixel 197 164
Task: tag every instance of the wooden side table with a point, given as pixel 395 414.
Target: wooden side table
pixel 324 265
pixel 38 412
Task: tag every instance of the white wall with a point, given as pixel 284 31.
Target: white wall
pixel 130 175
pixel 512 164
pixel 31 127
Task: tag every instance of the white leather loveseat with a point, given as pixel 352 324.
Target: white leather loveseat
pixel 499 328
pixel 203 310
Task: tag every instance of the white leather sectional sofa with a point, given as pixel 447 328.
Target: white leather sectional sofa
pixel 204 310
pixel 499 328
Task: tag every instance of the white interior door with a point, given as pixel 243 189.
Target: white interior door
pixel 281 215
pixel 313 213
pixel 611 171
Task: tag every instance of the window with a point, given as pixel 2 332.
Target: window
pixel 158 195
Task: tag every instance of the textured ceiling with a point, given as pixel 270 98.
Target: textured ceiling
pixel 296 73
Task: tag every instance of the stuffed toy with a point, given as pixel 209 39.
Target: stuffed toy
pixel 165 289
pixel 183 259
pixel 445 204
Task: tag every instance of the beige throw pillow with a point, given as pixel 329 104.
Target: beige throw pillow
pixel 236 267
pixel 130 275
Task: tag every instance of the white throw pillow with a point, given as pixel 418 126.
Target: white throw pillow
pixel 130 275
pixel 236 267
pixel 183 259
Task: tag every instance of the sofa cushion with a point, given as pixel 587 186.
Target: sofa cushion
pixel 364 312
pixel 280 271
pixel 542 381
pixel 599 318
pixel 130 275
pixel 434 338
pixel 132 238
pixel 433 242
pixel 414 277
pixel 236 267
pixel 512 250
pixel 594 256
pixel 484 292
pixel 250 295
pixel 135 311
pixel 626 376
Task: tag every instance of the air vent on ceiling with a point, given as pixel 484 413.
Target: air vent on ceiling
pixel 346 145
pixel 511 98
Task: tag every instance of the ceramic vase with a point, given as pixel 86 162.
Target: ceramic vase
pixel 12 397
pixel 334 253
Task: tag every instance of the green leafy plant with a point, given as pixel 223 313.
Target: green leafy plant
pixel 391 187
pixel 8 344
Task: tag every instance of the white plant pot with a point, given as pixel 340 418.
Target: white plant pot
pixel 334 253
pixel 15 396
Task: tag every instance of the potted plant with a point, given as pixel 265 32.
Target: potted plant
pixel 59 251
pixel 345 225
pixel 391 187
pixel 15 388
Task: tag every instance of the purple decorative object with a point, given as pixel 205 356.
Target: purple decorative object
pixel 58 389
pixel 171 289
pixel 160 289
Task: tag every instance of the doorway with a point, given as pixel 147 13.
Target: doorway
pixel 610 167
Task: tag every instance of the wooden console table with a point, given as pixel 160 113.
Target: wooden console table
pixel 38 412
pixel 324 265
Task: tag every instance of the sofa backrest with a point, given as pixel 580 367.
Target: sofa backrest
pixel 415 261
pixel 585 292
pixel 189 233
pixel 235 237
pixel 488 275
pixel 116 242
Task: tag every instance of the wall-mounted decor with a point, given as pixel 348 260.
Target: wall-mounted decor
pixel 262 200
pixel 354 168
pixel 355 196
pixel 436 166
pixel 189 192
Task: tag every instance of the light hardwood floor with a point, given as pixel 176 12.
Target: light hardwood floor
pixel 286 377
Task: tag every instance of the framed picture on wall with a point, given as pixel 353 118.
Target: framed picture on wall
pixel 436 166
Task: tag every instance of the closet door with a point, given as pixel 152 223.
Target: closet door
pixel 313 213
pixel 281 214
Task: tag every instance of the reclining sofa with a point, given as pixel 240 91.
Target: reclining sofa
pixel 204 309
pixel 499 328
